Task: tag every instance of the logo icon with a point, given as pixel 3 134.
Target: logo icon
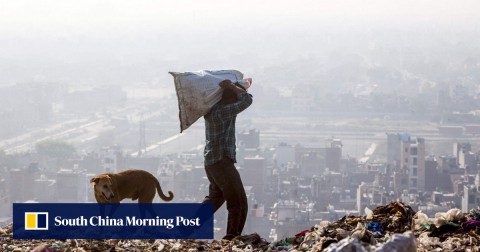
pixel 36 221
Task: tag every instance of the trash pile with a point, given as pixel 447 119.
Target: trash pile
pixel 393 227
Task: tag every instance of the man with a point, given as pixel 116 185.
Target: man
pixel 225 182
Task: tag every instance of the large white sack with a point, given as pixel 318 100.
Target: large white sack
pixel 198 91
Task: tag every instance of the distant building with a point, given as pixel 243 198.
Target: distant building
pixel 333 154
pixel 370 195
pixel 447 164
pixel 471 195
pixel 71 186
pixel 473 130
pixel 412 160
pixel 91 163
pixel 400 182
pixel 450 131
pixel 165 175
pixel 250 139
pixel 21 181
pixel 287 217
pixel 110 158
pixel 312 164
pixel 89 192
pixel 188 182
pixel 393 147
pixel 314 159
pixel 254 175
pixel 44 189
pixel 431 182
pixel 284 154
pixel 408 155
pixel 325 189
pixel 466 158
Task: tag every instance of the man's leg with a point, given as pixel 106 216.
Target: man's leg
pixel 234 194
pixel 215 194
pixel 244 212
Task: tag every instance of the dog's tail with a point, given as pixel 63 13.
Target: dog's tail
pixel 160 192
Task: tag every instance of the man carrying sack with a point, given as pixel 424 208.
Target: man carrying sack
pixel 220 157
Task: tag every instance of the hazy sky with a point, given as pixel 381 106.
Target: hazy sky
pixel 30 18
pixel 117 40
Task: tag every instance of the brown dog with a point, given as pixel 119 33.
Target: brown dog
pixel 132 184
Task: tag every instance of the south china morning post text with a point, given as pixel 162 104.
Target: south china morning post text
pixel 106 221
pixel 113 221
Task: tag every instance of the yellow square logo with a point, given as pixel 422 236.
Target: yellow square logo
pixel 36 221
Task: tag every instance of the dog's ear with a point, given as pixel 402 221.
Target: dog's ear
pixel 94 180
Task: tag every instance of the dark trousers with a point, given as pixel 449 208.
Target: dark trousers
pixel 226 185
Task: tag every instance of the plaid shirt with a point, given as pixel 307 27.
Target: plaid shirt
pixel 220 129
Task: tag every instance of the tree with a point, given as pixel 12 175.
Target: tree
pixel 54 149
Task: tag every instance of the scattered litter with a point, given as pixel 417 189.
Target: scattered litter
pixel 393 227
pixel 405 242
pixel 346 245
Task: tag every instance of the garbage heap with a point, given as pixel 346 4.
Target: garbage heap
pixel 393 227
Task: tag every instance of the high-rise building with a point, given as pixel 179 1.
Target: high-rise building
pixel 370 195
pixel 110 157
pixel 312 164
pixel 21 181
pixel 254 175
pixel 71 186
pixel 471 195
pixel 412 160
pixel 284 154
pixel 250 139
pixel 407 154
pixel 333 154
pixel 393 147
pixel 465 157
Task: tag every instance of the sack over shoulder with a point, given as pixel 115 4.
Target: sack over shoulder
pixel 198 91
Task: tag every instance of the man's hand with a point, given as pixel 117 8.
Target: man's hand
pixel 235 87
pixel 226 84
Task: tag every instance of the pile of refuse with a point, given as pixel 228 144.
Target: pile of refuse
pixel 393 227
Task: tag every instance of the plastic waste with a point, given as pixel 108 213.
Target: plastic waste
pixel 422 221
pixel 470 225
pixel 454 214
pixel 475 214
pixel 368 213
pixel 428 243
pixel 346 245
pixel 405 242
pixel 359 232
pixel 342 233
pixel 375 228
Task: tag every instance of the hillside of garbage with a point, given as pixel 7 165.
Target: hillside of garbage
pixel 392 227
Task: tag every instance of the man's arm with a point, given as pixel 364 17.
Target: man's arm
pixel 234 87
pixel 244 100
